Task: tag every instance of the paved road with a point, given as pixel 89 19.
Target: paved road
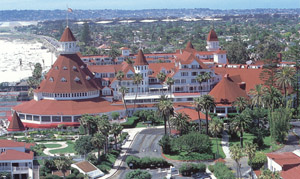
pixel 145 144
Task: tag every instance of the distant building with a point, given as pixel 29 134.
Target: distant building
pixel 89 169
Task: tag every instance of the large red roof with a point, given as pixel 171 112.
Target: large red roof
pixel 188 58
pixel 192 113
pixel 292 173
pixel 16 155
pixel 10 143
pixel 226 91
pixel 140 59
pixel 15 123
pixel 67 107
pixel 212 35
pixel 67 36
pixel 78 78
pixel 285 159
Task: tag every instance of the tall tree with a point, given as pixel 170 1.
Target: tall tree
pixel 215 128
pixel 207 102
pixel 257 95
pixel 200 80
pixel 250 150
pixel 104 128
pixel 239 124
pixel 137 79
pixel 170 82
pixel 114 53
pixel 236 52
pixel 116 130
pixel 267 75
pixel 98 141
pixel 198 107
pixel 240 104
pixel 206 78
pixel 85 34
pixel 180 121
pixel 165 109
pixel 88 122
pixel 236 154
pixel 123 90
pixel 35 79
pixel 161 77
pixel 285 78
pixel 272 97
pixel 63 164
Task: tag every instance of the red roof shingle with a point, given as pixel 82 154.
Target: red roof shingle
pixel 67 36
pixel 15 123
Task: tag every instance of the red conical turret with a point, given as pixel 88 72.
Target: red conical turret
pixel 67 36
pixel 15 124
pixel 140 59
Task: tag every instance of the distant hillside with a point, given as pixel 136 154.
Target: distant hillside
pixel 41 15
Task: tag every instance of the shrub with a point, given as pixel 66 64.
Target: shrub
pixel 131 122
pixel 165 143
pixel 190 168
pixel 211 168
pixel 146 162
pixel 103 168
pixel 134 161
pixel 258 161
pixel 259 141
pixel 138 174
pixel 221 171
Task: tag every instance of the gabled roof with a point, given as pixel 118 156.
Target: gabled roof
pixel 226 91
pixel 189 45
pixel 10 143
pixel 68 74
pixel 188 58
pixel 86 166
pixel 16 155
pixel 67 36
pixel 15 123
pixel 212 36
pixel 140 59
pixel 285 159
pixel 292 173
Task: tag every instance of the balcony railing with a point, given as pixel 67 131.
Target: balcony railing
pixel 5 168
pixel 20 169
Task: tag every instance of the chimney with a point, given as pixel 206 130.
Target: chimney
pixel 242 85
pixel 279 56
pixel 226 75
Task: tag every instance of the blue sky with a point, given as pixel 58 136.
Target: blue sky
pixel 146 4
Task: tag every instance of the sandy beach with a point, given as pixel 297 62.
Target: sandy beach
pixel 17 58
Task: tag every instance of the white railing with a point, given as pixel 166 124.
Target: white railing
pixel 19 169
pixel 5 169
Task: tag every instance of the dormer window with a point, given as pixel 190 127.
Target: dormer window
pixel 77 79
pixel 65 68
pixel 56 68
pixel 63 79
pixel 82 67
pixel 74 68
pixel 51 79
pixel 88 77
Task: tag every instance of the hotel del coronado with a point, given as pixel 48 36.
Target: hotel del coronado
pixel 77 85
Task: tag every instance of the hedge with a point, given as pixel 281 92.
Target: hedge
pixel 131 122
pixel 146 162
pixel 258 161
pixel 187 169
pixel 221 171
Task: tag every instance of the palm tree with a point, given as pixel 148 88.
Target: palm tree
pixel 98 141
pixel 120 75
pixel 239 124
pixel 137 79
pixel 257 95
pixel 272 97
pixel 165 109
pixel 200 80
pixel 104 128
pixel 123 90
pixel 236 154
pixel 161 77
pixel 62 164
pixel 207 102
pixel 170 82
pixel 240 104
pixel 87 121
pixel 180 121
pixel 250 150
pixel 285 78
pixel 198 108
pixel 206 77
pixel 116 130
pixel 216 127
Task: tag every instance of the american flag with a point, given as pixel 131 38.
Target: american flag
pixel 70 10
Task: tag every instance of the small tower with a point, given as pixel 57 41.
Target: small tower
pixel 68 43
pixel 212 41
pixel 125 51
pixel 141 66
pixel 15 124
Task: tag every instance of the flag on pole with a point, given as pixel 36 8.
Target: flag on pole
pixel 70 10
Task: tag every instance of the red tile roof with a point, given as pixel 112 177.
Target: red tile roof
pixel 69 67
pixel 226 91
pixel 285 159
pixel 16 155
pixel 212 35
pixel 10 143
pixel 140 59
pixel 292 173
pixel 157 67
pixel 67 107
pixel 238 75
pixel 103 68
pixel 15 123
pixel 67 36
pixel 188 58
pixel 192 113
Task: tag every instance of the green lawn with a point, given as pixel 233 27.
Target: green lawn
pixel 269 145
pixel 52 145
pixel 214 147
pixel 69 149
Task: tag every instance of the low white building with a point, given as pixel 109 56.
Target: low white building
pixel 87 168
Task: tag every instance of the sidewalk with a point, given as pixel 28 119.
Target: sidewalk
pixel 132 133
pixel 225 145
